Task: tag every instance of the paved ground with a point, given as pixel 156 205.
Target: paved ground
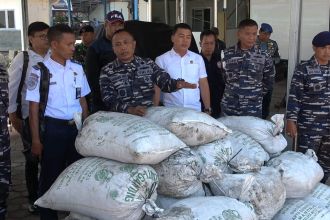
pixel 18 202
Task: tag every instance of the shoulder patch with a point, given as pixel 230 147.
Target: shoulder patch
pixel 36 67
pixel 32 81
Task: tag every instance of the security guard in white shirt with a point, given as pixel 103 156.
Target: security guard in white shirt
pixel 18 108
pixel 67 90
pixel 182 63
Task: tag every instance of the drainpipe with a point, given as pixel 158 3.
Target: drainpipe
pixel 70 14
pixel 294 38
pixel 136 9
pixel 25 22
pixel 215 11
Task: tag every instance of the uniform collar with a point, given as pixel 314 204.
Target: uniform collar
pixel 173 53
pixel 238 48
pixel 313 62
pixel 34 54
pixel 57 65
pixel 117 63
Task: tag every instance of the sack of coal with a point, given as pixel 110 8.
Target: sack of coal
pixel 192 127
pixel 104 189
pixel 126 138
pixel 266 133
pixel 300 172
pixel 263 189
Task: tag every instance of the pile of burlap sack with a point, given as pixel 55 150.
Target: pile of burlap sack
pixel 176 163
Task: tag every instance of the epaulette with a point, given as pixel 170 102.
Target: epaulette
pixel 75 61
pixel 36 67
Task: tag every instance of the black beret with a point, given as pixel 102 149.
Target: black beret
pixel 322 39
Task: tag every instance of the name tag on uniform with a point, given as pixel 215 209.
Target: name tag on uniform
pixel 78 92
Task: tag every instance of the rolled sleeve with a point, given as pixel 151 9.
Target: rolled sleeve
pixel 33 84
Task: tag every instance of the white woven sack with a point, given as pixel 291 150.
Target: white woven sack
pixel 266 133
pixel 263 189
pixel 300 172
pixel 216 207
pixel 181 174
pixel 320 196
pixel 126 138
pixel 104 189
pixel 192 127
pixel 295 209
pixel 248 155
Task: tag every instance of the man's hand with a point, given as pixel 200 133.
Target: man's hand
pixel 16 122
pixel 291 128
pixel 36 149
pixel 138 110
pixel 181 84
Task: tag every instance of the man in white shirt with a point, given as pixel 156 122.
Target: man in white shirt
pixel 67 90
pixel 183 63
pixel 18 108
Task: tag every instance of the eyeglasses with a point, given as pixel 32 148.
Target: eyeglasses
pixel 42 36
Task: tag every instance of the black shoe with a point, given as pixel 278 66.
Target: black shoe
pixel 33 209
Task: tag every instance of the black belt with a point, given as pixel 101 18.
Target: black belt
pixel 60 121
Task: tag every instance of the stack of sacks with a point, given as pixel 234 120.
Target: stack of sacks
pixel 266 133
pixel 111 189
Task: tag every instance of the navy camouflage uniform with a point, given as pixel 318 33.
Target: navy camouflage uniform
pixel 272 48
pixel 131 84
pixel 249 75
pixel 5 169
pixel 309 106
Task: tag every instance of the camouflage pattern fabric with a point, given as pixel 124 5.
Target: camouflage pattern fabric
pixel 271 47
pixel 249 75
pixel 80 54
pixel 309 106
pixel 131 84
pixel 5 171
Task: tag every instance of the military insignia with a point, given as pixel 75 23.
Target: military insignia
pixel 32 81
pixel 52 83
pixel 191 62
pixel 50 75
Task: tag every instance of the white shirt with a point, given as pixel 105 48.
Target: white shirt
pixel 64 83
pixel 191 68
pixel 15 74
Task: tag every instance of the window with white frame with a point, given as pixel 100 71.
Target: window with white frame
pixel 7 19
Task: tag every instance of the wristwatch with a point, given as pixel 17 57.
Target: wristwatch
pixel 208 110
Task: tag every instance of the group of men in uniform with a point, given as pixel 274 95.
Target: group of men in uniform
pixel 56 86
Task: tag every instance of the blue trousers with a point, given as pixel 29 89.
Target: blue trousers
pixel 58 152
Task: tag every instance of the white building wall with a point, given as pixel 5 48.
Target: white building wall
pixel 314 19
pixel 39 10
pixel 16 6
